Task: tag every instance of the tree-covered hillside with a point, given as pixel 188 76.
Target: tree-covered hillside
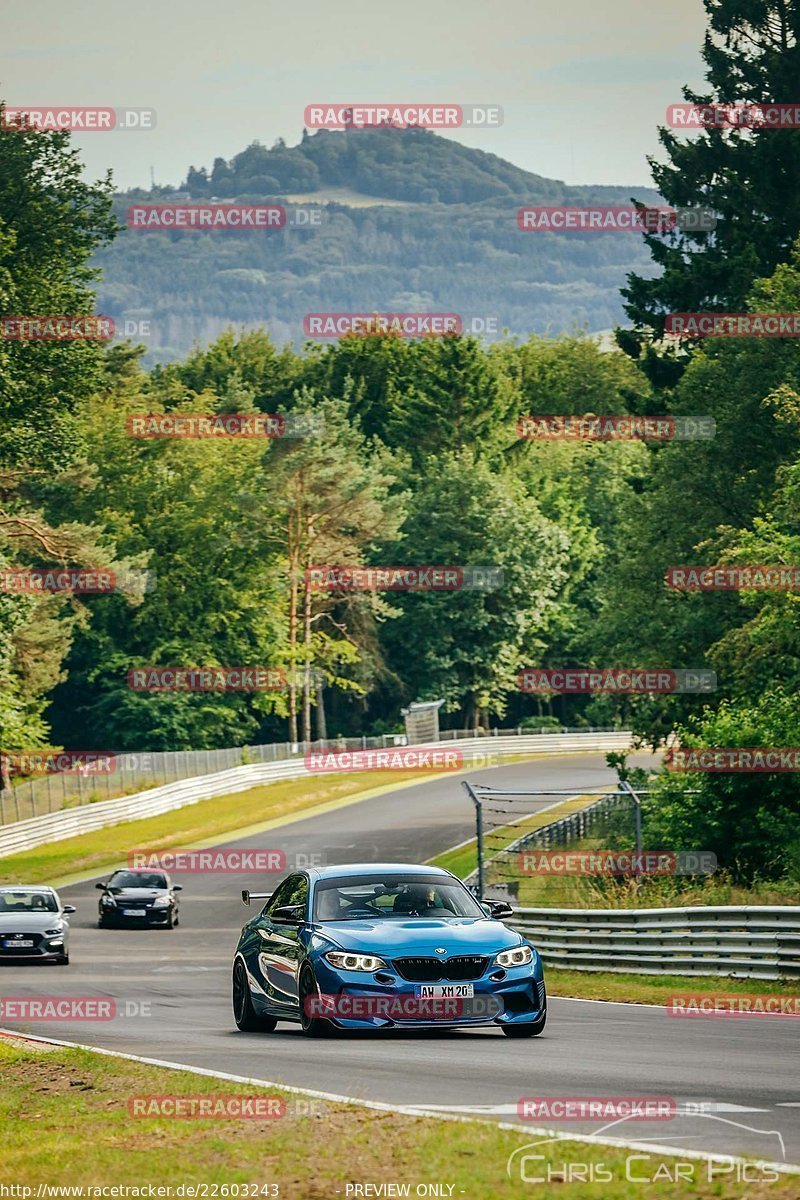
pixel 441 235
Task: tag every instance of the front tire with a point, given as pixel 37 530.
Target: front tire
pixel 307 990
pixel 245 1016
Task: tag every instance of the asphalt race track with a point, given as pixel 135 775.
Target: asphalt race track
pixel 745 1070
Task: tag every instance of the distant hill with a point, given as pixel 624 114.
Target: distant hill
pixel 411 220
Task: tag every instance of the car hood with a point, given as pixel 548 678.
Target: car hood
pixel 421 935
pixel 28 922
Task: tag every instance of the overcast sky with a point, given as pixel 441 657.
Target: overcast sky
pixel 583 83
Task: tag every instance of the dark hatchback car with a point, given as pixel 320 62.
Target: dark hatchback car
pixel 138 898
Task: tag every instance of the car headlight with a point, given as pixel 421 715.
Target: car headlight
pixel 161 902
pixel 53 932
pixel 108 900
pixel 520 956
pixel 354 962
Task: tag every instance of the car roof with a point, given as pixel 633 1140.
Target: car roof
pixel 26 887
pixel 376 869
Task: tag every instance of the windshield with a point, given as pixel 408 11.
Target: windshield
pixel 366 897
pixel 137 879
pixel 21 902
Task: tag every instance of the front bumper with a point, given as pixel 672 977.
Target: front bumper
pixel 41 952
pixel 350 998
pixel 152 916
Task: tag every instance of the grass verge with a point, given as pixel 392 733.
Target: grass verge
pixel 656 989
pixel 196 825
pixel 66 1121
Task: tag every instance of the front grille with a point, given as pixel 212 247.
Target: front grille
pixel 429 970
pixel 36 938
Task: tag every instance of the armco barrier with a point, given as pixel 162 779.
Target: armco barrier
pixel 133 771
pixel 746 941
pixel 54 827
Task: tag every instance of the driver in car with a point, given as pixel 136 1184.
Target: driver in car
pixel 416 899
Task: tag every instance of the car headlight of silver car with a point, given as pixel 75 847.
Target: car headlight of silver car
pixel 354 962
pixel 520 956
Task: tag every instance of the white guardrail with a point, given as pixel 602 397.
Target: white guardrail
pixel 66 823
pixel 747 941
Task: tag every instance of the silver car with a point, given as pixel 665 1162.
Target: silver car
pixel 33 924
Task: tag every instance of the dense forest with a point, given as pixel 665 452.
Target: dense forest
pixel 409 454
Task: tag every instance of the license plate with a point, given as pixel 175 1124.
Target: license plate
pixel 134 912
pixel 24 943
pixel 459 990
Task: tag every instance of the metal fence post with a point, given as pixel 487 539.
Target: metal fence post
pixel 637 819
pixel 478 831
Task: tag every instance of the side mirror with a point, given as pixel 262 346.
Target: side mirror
pixel 69 908
pixel 101 886
pixel 497 909
pixel 289 914
pixel 177 887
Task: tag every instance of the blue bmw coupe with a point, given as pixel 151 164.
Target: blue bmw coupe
pixel 379 946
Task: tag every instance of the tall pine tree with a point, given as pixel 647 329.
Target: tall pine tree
pixel 750 178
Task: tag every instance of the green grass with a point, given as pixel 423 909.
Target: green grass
pixel 195 825
pixel 657 989
pixel 66 1121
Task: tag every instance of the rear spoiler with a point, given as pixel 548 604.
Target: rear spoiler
pixel 248 896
